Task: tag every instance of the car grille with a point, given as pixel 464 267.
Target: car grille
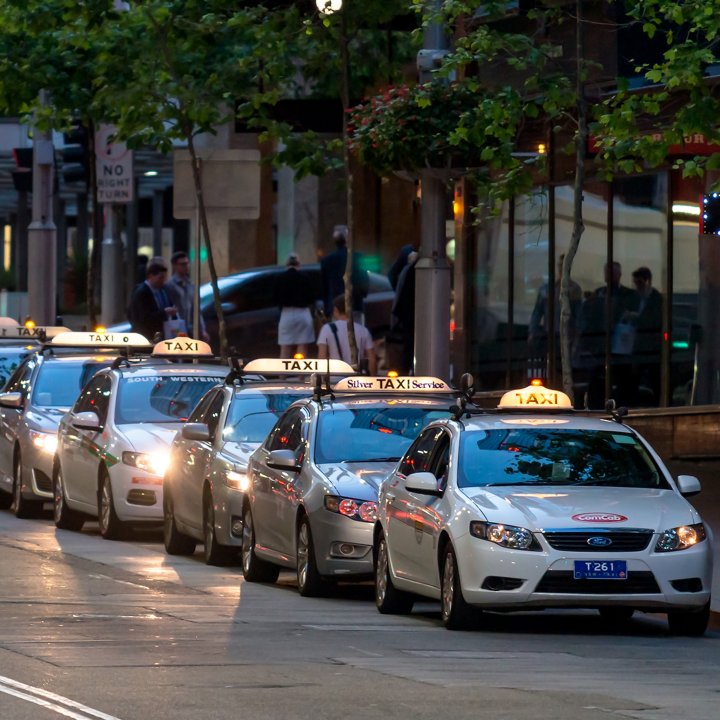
pixel 620 540
pixel 562 581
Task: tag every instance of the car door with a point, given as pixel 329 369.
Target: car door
pixel 274 490
pixel 88 446
pixel 10 420
pixel 192 459
pixel 405 534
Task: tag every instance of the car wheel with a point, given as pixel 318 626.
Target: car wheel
pixel 616 615
pixel 691 623
pixel 6 499
pixel 215 553
pixel 176 543
pixel 388 599
pixel 310 582
pixel 111 527
pixel 254 568
pixel 456 613
pixel 65 517
pixel 21 507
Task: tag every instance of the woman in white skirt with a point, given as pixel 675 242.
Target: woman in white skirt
pixel 294 295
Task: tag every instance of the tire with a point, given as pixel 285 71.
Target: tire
pixel 310 582
pixel 111 527
pixel 5 500
pixel 456 613
pixel 176 543
pixel 65 517
pixel 254 568
pixel 215 553
pixel 616 615
pixel 388 599
pixel 21 507
pixel 690 623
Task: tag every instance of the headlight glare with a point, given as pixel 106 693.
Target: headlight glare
pixel 508 536
pixel 237 480
pixel 46 442
pixel 155 463
pixel 680 538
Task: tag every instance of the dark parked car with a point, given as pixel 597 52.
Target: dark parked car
pixel 252 317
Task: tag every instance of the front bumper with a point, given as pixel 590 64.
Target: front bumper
pixel 343 547
pixel 137 495
pixel 37 474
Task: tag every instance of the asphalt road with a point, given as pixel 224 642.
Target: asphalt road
pixel 120 631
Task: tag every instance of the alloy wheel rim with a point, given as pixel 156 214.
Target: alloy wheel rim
pixel 448 590
pixel 105 506
pixel 57 498
pixel 302 554
pixel 209 528
pixel 247 541
pixel 167 521
pixel 17 495
pixel 381 577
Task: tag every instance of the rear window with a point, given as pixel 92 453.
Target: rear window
pixel 58 384
pixel 252 417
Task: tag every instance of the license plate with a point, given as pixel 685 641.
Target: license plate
pixel 600 570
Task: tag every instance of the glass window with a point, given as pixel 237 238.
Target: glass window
pixel 417 459
pixel 535 456
pixel 287 434
pixel 251 416
pixel 20 379
pixel 212 416
pixel 10 359
pixel 197 415
pixel 370 434
pixel 59 382
pixel 158 398
pixel 95 397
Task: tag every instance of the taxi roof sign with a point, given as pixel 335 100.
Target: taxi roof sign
pixel 99 340
pixel 297 366
pixel 36 332
pixel 182 346
pixel 535 397
pixel 409 384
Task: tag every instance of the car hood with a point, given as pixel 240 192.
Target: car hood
pixel 575 508
pixel 239 453
pixel 44 419
pixel 147 437
pixel 357 480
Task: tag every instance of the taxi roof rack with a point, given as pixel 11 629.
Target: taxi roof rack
pixel 236 374
pixel 316 380
pixel 616 413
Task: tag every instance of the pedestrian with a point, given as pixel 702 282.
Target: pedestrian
pixel 648 339
pixel 403 314
pixel 150 306
pixel 332 272
pixel 400 262
pixel 182 293
pixel 294 296
pixel 333 340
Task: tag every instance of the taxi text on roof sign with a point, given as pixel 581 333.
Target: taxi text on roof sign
pixel 396 384
pixel 182 347
pixel 535 397
pixel 295 366
pixel 37 331
pixel 99 340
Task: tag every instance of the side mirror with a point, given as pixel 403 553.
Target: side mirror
pixel 688 485
pixel 86 421
pixel 422 483
pixel 196 431
pixel 11 400
pixel 283 460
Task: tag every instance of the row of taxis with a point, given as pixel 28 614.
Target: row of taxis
pixel 303 466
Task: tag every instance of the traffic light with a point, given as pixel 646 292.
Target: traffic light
pixel 75 155
pixel 22 175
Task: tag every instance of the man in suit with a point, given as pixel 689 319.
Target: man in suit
pixel 648 340
pixel 332 270
pixel 150 305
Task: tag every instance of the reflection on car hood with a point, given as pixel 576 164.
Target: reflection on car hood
pixel 44 419
pixel 239 453
pixel 538 508
pixel 357 480
pixel 147 437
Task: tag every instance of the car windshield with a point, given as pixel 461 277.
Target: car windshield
pixel 59 383
pixel 252 416
pixel 9 360
pixel 160 399
pixel 539 456
pixel 370 434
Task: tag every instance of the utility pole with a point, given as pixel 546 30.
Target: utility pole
pixel 42 250
pixel 432 271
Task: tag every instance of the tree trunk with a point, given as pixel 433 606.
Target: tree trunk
pixel 581 138
pixel 200 199
pixel 93 266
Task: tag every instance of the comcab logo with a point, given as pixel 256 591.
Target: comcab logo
pixel 599 517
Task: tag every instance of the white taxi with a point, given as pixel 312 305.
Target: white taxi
pixel 206 479
pixel 40 390
pixel 113 445
pixel 534 506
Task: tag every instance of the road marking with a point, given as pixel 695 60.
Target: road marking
pixel 50 700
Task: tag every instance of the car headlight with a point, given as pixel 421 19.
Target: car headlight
pixel 364 510
pixel 46 442
pixel 237 480
pixel 680 538
pixel 154 462
pixel 508 536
